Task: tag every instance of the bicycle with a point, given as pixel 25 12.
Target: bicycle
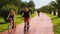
pixel 26 27
pixel 11 28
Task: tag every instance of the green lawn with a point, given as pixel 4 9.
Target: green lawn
pixel 56 23
pixel 19 20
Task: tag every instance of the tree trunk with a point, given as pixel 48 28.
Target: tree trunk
pixel 54 13
pixel 58 13
pixel 50 11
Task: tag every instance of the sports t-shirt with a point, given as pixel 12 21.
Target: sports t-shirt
pixel 26 14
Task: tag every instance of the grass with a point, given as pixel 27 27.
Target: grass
pixel 56 23
pixel 4 26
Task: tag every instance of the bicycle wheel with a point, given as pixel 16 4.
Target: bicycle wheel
pixel 14 28
pixel 9 28
pixel 28 27
pixel 25 28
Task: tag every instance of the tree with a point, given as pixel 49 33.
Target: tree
pixel 3 2
pixel 44 9
pixel 53 5
pixel 50 9
pixel 31 5
pixel 58 7
pixel 5 10
pixel 24 4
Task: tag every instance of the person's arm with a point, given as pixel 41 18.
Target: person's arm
pixel 8 16
pixel 30 13
pixel 14 15
pixel 14 19
pixel 22 13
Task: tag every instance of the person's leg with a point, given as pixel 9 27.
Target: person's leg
pixel 10 26
pixel 28 27
pixel 28 24
pixel 13 25
pixel 38 14
pixel 24 24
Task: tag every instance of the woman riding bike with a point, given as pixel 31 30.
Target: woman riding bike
pixel 11 18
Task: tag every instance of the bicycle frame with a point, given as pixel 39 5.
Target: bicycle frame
pixel 10 29
pixel 26 27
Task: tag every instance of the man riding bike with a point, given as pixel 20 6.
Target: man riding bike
pixel 26 16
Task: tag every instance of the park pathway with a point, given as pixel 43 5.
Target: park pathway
pixel 38 25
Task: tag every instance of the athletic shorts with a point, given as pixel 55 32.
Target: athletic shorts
pixel 26 19
pixel 11 19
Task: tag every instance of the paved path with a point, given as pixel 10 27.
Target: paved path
pixel 38 25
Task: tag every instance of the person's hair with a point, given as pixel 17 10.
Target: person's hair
pixel 10 10
pixel 26 8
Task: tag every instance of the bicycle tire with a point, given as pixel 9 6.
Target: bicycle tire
pixel 26 27
pixel 10 28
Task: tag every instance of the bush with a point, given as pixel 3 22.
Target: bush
pixel 4 14
pixel 5 10
pixel 9 6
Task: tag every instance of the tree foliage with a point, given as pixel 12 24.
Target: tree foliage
pixel 5 5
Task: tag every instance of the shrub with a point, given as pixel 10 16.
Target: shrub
pixel 5 10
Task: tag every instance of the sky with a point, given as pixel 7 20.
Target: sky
pixel 39 3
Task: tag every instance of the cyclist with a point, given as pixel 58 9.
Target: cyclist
pixel 26 15
pixel 38 12
pixel 11 18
